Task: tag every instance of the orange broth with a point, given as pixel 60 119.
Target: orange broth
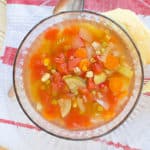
pixel 78 74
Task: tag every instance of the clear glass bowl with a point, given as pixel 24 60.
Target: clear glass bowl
pixel 35 117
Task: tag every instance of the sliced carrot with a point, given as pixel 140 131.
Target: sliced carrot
pixel 84 64
pixel 71 31
pixel 117 83
pixel 51 34
pixel 81 53
pixel 112 62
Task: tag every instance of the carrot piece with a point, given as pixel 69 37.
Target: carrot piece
pixel 117 83
pixel 52 112
pixel 112 62
pixel 81 53
pixel 122 94
pixel 51 34
pixel 71 31
pixel 84 64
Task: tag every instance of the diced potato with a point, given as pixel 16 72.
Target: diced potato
pixel 45 77
pixel 74 82
pixel 126 71
pixel 80 104
pixel 89 74
pixel 65 106
pixel 100 78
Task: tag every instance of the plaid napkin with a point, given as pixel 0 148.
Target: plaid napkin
pixel 16 130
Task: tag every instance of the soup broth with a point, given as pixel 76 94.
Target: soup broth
pixel 78 74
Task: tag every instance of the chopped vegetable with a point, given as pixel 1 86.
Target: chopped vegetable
pixel 51 34
pixel 80 76
pixel 118 83
pixel 81 53
pixel 96 45
pixel 46 62
pixel 97 67
pixel 80 104
pixel 100 78
pixel 39 107
pixel 45 77
pixel 103 103
pixel 84 64
pixel 89 74
pixel 112 62
pixel 77 70
pixel 65 106
pixel 74 82
pixel 126 71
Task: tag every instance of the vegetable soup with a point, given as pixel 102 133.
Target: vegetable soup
pixel 78 74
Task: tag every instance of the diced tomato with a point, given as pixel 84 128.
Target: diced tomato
pixel 74 120
pixel 90 84
pixel 51 112
pixel 51 34
pixel 77 42
pixel 108 95
pixel 70 53
pixel 97 67
pixel 72 63
pixel 61 64
pixel 71 31
pixel 36 66
pixel 60 58
pixel 62 68
pixel 85 92
pixel 45 96
pixel 97 58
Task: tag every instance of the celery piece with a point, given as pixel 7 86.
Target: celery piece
pixel 126 71
pixel 100 78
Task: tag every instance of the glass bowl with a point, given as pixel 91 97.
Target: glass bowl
pixel 22 97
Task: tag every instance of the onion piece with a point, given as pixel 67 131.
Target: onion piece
pixel 65 106
pixel 104 104
pixel 80 104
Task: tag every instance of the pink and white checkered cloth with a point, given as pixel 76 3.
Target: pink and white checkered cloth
pixel 16 130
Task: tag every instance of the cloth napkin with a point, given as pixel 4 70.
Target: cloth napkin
pixel 16 130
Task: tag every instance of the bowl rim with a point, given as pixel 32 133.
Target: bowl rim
pixel 138 95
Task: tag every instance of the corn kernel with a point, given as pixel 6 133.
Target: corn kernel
pixel 46 62
pixel 84 68
pixel 108 37
pixel 100 108
pixel 54 102
pixel 104 44
pixel 103 50
pixel 92 60
pixel 94 92
pixel 74 104
pixel 98 52
pixel 53 71
pixel 48 82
